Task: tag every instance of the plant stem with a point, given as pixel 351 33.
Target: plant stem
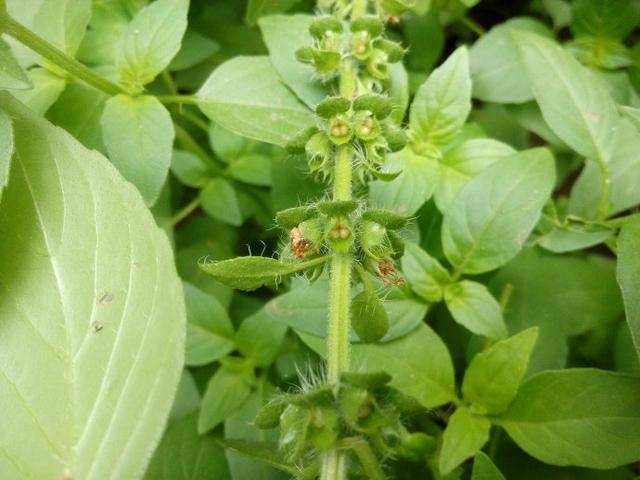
pixel 190 99
pixel 46 50
pixel 185 212
pixel 472 25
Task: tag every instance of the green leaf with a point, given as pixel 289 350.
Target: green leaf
pixel 573 102
pixel 6 149
pixel 220 201
pixel 497 68
pixel 419 364
pixel 63 23
pixel 226 392
pixel 472 306
pixel 47 87
pixel 240 426
pixel 78 110
pixel 151 40
pixel 600 52
pixel 464 436
pixel 571 236
pixel 185 455
pixel 462 163
pixel 187 399
pixel 484 469
pixel 12 76
pixel 425 275
pixel 305 308
pixel 398 91
pixel 264 452
pixel 138 133
pixel 249 273
pixel 443 102
pixel 195 49
pixel 494 375
pixel 412 188
pixel 536 283
pixel 622 175
pixel 190 169
pixel 260 8
pixel 209 329
pixel 494 213
pixel 582 417
pixel 629 276
pixel 260 338
pixel 613 19
pixel 283 35
pixel 254 169
pixel 246 96
pixel 92 312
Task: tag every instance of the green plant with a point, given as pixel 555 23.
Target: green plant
pixel 445 210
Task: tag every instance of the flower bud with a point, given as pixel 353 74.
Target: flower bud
pixel 377 65
pixel 371 24
pixel 269 415
pixel 395 136
pixel 305 54
pixel 326 61
pixel 292 217
pixel 339 235
pixel 394 50
pixel 378 105
pixel 361 45
pixel 416 446
pixel 340 131
pixel 321 25
pixel 332 106
pixel 337 208
pixel 366 127
pixel 386 218
pixel 396 7
pixel 373 239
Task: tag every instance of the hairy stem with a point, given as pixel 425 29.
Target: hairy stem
pixel 46 50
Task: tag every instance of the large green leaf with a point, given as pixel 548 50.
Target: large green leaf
pixel 472 305
pixel 138 133
pixel 246 96
pixel 577 107
pixel 6 149
pixel 92 313
pixel 622 176
pixel 151 40
pixel 284 34
pixel 407 192
pixel 443 102
pixel 581 417
pixel 484 469
pixel 604 18
pixel 63 23
pixel 497 68
pixel 464 436
pixel 493 376
pixel 209 329
pixel 12 76
pixel 629 276
pixel 419 364
pixel 226 392
pixel 494 213
pixel 259 8
pixel 462 163
pixel 185 455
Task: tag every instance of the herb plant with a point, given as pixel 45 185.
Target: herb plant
pixel 335 239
